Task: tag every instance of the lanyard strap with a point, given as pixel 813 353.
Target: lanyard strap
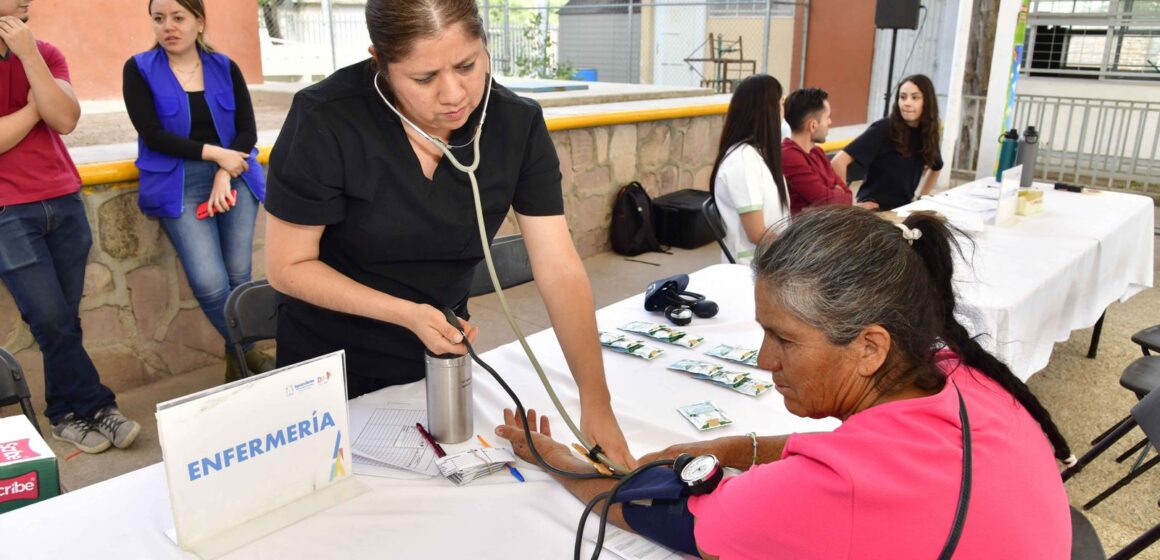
pixel 964 488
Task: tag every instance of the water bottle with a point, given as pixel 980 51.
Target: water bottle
pixel 1028 150
pixel 449 406
pixel 1010 145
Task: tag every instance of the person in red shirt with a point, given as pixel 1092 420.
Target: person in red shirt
pixel 808 174
pixel 44 233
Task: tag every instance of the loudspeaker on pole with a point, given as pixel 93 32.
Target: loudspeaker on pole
pixel 896 14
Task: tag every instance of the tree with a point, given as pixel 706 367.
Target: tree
pixel 536 60
pixel 978 71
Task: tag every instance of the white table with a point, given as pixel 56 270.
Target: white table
pixel 495 517
pixel 1027 285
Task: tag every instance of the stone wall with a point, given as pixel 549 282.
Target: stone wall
pixel 664 156
pixel 142 323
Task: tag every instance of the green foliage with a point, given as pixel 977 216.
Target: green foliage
pixel 538 61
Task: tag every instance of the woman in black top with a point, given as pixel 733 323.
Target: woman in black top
pixel 372 230
pixel 897 151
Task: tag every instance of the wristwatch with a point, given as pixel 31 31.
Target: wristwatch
pixel 701 474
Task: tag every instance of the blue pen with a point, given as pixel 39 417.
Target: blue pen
pixel 515 472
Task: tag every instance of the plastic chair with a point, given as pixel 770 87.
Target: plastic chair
pixel 713 218
pixel 1147 415
pixel 251 315
pixel 1085 543
pixel 1148 339
pixel 512 266
pixel 1141 377
pixel 14 388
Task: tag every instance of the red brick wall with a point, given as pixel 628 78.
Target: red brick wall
pixel 97 37
pixel 839 54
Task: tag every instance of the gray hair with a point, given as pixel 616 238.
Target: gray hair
pixel 842 269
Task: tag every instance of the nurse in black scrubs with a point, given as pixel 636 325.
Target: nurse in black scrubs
pixel 371 229
pixel 899 152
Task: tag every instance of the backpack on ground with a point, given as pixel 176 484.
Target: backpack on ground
pixel 632 222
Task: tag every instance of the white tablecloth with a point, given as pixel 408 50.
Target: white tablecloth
pixel 1027 285
pixel 495 517
pixel 1030 285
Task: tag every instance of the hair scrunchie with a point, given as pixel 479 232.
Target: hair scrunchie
pixel 909 234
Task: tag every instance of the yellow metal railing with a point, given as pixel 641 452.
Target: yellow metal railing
pixel 125 171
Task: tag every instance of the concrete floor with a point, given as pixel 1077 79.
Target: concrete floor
pixel 1084 395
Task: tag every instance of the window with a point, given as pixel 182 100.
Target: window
pixel 1096 39
pixel 750 8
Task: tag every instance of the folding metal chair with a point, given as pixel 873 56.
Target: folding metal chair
pixel 14 388
pixel 251 316
pixel 713 218
pixel 512 266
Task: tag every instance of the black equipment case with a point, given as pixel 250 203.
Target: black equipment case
pixel 678 220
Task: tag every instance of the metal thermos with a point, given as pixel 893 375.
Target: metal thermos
pixel 1028 150
pixel 1010 145
pixel 449 406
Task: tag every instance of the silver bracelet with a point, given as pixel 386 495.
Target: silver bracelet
pixel 753 436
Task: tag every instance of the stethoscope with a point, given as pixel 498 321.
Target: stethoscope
pixel 594 452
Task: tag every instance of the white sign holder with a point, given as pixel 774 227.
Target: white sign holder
pixel 249 458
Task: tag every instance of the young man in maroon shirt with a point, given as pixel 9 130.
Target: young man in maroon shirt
pixel 808 174
pixel 44 234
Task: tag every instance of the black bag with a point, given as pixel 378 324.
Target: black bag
pixel 680 221
pixel 632 222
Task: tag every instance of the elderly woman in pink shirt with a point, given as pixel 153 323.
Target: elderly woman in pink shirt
pixel 941 448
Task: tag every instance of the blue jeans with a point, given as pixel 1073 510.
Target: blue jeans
pixel 216 252
pixel 43 248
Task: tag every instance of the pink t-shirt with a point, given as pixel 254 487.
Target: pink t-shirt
pixel 39 167
pixel 885 484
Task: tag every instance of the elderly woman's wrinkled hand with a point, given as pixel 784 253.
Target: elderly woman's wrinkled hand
pixel 554 452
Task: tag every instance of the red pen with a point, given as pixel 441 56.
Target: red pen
pixel 430 440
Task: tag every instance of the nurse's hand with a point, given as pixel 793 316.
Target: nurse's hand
pixel 600 428
pixel 437 334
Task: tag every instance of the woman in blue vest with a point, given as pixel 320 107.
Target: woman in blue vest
pixel 196 129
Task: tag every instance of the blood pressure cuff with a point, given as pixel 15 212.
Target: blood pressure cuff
pixel 668 520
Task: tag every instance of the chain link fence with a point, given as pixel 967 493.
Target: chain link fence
pixel 700 43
